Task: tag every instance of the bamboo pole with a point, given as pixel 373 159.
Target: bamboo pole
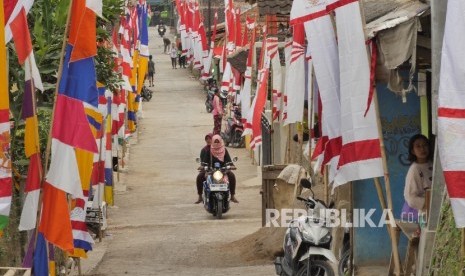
pixel 394 242
pixel 462 252
pixel 393 237
pixel 49 139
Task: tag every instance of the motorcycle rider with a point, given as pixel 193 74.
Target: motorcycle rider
pixel 219 154
pixel 203 158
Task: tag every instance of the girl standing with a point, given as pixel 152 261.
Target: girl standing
pixel 173 55
pixel 419 177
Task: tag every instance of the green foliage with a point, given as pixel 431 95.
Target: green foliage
pixel 446 259
pixel 105 59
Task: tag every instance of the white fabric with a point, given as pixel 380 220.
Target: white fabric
pixel 63 173
pixel 246 93
pixel 451 131
pixel 355 87
pixel 32 72
pixel 5 205
pixel 95 5
pixel 295 85
pixel 323 45
pixel 29 214
pixel 226 80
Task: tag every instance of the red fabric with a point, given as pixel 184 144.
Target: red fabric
pixel 338 4
pixel 34 173
pixel 217 149
pixel 55 222
pixel 4 115
pixel 308 17
pixel 359 151
pixel 79 225
pixel 319 147
pixel 451 112
pixel 82 33
pixel 6 187
pixel 70 124
pixel 374 52
pixel 455 181
pixel 332 149
pixel 257 112
pixel 8 7
pixel 21 36
pixel 238 28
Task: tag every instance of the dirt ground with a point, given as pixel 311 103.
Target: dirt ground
pixel 155 228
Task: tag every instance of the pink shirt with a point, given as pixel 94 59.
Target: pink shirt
pixel 217 106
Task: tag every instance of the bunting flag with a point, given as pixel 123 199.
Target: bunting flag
pixel 40 265
pixel 323 46
pixel 108 191
pixel 229 22
pixel 26 58
pixel 451 109
pixel 256 138
pixel 272 49
pixel 125 50
pixel 71 130
pixel 12 9
pixel 82 240
pixel 5 161
pixel 295 81
pixel 360 156
pixel 208 61
pixel 144 46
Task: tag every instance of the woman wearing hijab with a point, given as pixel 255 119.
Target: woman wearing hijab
pixel 219 154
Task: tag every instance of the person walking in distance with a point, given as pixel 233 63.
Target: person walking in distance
pixel 166 44
pixel 173 55
pixel 217 112
pixel 151 70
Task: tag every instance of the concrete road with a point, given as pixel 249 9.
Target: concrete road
pixel 155 228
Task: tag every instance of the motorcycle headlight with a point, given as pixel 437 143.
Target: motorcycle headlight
pixel 217 176
pixel 326 239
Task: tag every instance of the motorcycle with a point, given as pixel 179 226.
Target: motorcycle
pixel 216 188
pixel 209 100
pixel 146 94
pixel 161 30
pixel 232 135
pixel 306 243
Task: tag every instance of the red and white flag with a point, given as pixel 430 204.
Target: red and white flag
pixel 323 46
pixel 360 156
pixel 451 109
pixel 295 81
pixel 277 85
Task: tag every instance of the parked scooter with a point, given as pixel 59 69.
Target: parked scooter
pixel 306 243
pixel 209 100
pixel 232 135
pixel 161 30
pixel 146 94
pixel 216 188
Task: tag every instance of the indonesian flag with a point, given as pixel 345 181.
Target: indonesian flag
pixel 260 101
pixel 230 28
pixel 272 50
pixel 227 76
pixel 323 46
pixel 451 109
pixel 295 81
pixel 287 54
pixel 208 61
pixel 360 156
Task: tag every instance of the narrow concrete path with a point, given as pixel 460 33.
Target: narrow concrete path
pixel 155 229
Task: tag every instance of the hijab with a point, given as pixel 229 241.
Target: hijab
pixel 217 149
